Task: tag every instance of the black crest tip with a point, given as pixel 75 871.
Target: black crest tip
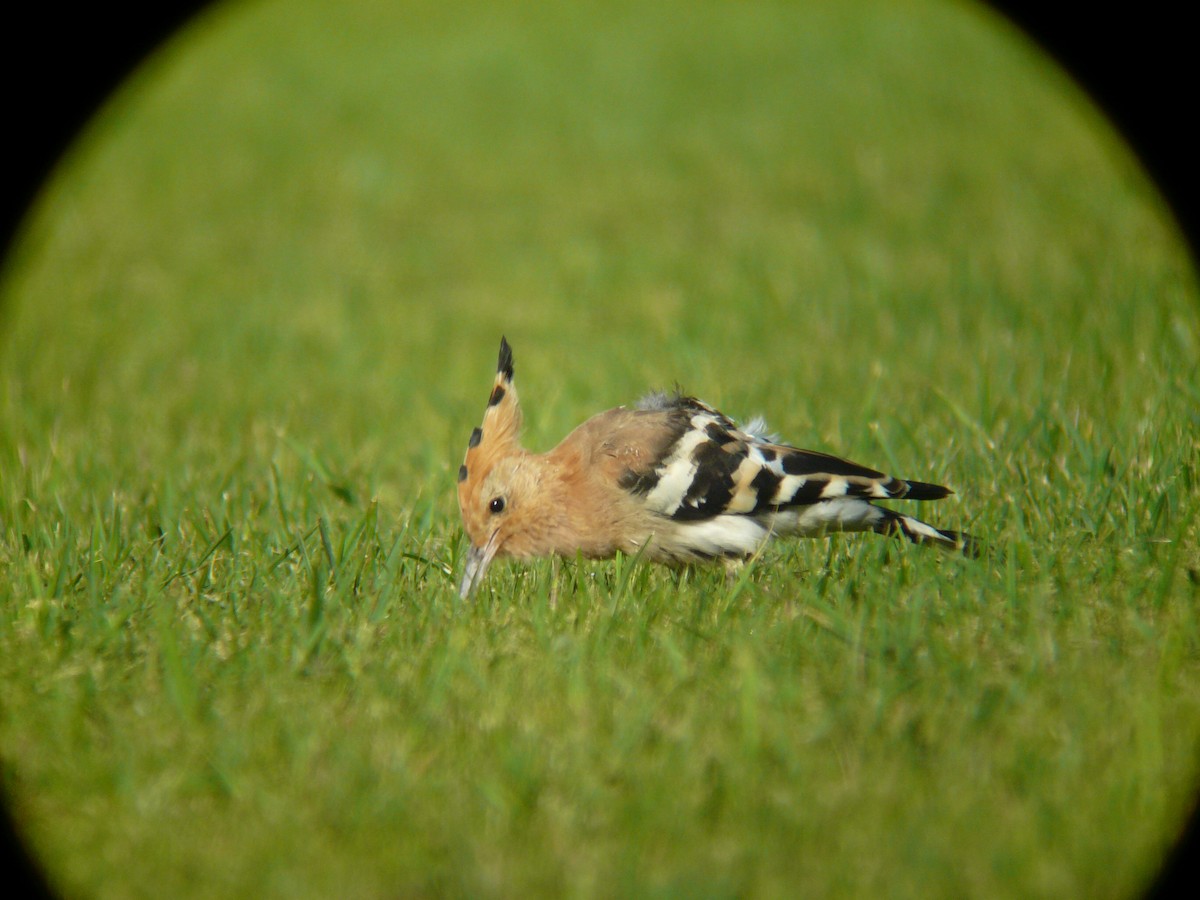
pixel 505 365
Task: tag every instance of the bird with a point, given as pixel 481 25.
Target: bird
pixel 672 479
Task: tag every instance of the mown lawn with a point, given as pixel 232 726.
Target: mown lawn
pixel 254 318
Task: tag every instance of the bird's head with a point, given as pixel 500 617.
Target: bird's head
pixel 496 480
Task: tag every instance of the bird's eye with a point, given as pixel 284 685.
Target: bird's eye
pixel 497 505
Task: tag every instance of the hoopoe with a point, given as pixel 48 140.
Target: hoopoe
pixel 672 479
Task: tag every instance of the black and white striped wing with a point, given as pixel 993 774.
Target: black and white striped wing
pixel 713 468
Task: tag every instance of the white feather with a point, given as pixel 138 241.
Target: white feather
pixel 720 536
pixel 787 488
pixel 677 475
pixel 758 429
pixel 836 487
pixel 916 526
pixel 840 514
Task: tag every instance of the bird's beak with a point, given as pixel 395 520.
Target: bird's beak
pixel 478 560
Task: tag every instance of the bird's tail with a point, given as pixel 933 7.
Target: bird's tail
pixel 923 490
pixel 894 523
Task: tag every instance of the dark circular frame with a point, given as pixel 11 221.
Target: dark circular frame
pixel 1137 66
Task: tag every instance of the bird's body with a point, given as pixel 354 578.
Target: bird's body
pixel 671 478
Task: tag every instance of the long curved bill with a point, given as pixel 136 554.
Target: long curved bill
pixel 478 560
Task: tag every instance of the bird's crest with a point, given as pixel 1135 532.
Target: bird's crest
pixel 499 433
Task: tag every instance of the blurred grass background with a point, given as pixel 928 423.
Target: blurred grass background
pixel 254 317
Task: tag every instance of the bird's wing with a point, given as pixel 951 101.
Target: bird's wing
pixel 687 461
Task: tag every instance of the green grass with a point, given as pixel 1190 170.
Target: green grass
pixel 254 318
